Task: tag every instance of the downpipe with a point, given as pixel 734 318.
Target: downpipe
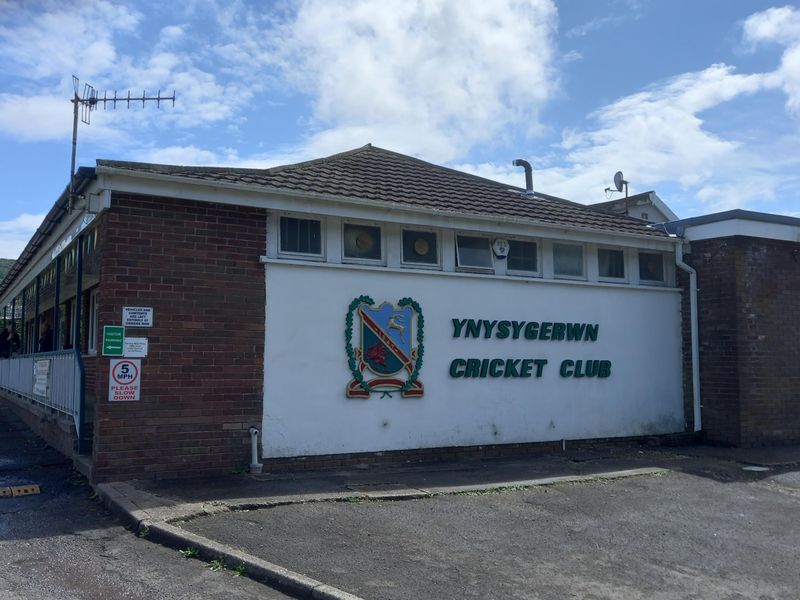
pixel 698 418
pixel 255 466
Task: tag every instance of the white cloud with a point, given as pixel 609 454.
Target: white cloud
pixel 781 26
pixel 43 43
pixel 745 188
pixel 179 155
pixel 506 174
pixel 46 117
pixel 17 232
pixel 594 25
pixel 432 79
pixel 52 39
pixel 654 136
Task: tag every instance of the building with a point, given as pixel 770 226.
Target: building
pixel 748 280
pixel 361 305
pixel 646 206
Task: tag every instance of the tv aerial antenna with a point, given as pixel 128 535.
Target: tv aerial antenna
pixel 88 102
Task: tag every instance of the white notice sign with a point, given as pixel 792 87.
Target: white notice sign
pixel 135 347
pixel 124 379
pixel 137 316
pixel 41 378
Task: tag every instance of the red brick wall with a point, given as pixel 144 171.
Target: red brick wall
pixel 768 298
pixel 197 264
pixel 749 321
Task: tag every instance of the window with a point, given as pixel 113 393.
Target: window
pixel 362 242
pixel 522 256
pixel 420 247
pixel 474 252
pixel 93 310
pixel 567 260
pixel 611 263
pixel 651 267
pixel 301 236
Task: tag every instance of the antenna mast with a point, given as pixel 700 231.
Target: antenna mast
pixel 89 102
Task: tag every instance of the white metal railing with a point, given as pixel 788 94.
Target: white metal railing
pixel 54 379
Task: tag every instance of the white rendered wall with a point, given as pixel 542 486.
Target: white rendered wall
pixel 306 411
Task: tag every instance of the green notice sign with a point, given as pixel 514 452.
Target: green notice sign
pixel 113 340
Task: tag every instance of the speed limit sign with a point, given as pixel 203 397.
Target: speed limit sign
pixel 124 380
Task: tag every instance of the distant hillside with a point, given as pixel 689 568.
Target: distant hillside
pixel 5 266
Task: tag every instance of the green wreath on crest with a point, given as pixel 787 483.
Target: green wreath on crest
pixel 351 356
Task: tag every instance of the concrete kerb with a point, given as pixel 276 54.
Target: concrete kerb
pixel 261 570
pixel 160 531
pixel 157 523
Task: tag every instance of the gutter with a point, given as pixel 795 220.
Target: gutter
pixel 698 417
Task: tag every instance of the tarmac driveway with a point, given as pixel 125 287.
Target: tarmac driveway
pixel 708 530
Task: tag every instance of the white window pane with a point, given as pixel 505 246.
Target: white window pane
pixel 362 241
pixel 651 266
pixel 522 256
pixel 474 252
pixel 420 247
pixel 568 260
pixel 303 236
pixel 611 263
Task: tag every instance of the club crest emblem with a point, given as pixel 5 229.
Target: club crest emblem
pixel 384 359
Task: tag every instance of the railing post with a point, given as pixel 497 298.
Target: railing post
pixel 57 309
pixel 14 317
pixel 82 442
pixel 76 330
pixel 22 328
pixel 36 305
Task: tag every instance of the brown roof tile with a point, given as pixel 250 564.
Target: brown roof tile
pixel 375 174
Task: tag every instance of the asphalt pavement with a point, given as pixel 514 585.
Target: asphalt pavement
pixel 62 544
pixel 602 523
pixel 609 522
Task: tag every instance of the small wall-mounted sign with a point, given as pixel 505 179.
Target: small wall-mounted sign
pixel 124 380
pixel 41 378
pixel 113 340
pixel 135 347
pixel 137 316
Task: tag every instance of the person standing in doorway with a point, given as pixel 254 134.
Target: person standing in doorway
pixel 46 339
pixel 5 345
pixel 11 337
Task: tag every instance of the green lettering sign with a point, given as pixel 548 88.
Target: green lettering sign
pixel 113 340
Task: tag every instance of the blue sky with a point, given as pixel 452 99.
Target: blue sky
pixel 697 100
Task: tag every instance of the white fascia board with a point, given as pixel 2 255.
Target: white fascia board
pixel 266 260
pixel 662 206
pixel 63 235
pixel 120 180
pixel 744 227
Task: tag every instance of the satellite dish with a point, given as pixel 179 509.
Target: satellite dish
pixel 619 181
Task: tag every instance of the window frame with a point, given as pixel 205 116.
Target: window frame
pixel 582 276
pixel 656 282
pixel 606 278
pixel 364 261
pixel 421 265
pixel 521 272
pixel 470 268
pixel 302 255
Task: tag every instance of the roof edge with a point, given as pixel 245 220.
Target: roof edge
pixel 353 200
pixel 729 215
